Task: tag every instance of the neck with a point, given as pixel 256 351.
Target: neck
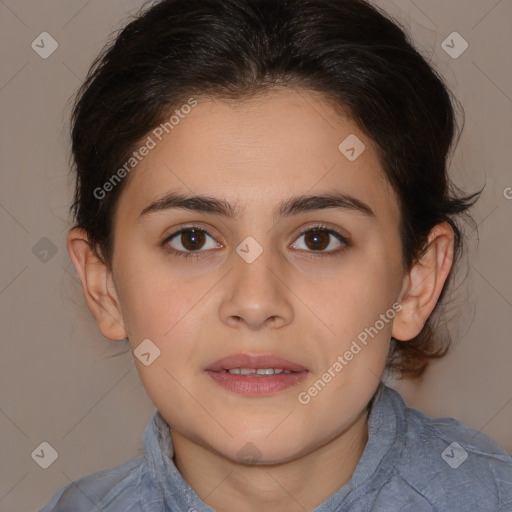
pixel 300 484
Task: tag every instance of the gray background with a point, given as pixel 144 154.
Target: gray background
pixel 58 382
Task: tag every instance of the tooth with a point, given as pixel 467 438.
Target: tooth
pixel 247 371
pixel 265 371
pixel 257 372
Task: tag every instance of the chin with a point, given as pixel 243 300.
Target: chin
pixel 257 450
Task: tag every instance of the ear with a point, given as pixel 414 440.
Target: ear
pixel 424 283
pixel 97 284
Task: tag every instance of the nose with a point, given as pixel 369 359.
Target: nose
pixel 256 294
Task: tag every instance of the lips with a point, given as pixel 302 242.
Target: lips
pixel 254 361
pixel 256 375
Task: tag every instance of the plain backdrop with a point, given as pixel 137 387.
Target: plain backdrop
pixel 58 383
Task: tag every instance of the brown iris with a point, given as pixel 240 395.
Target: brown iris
pixel 192 239
pixel 319 239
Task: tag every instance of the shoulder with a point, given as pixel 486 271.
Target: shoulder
pixel 114 487
pixel 451 464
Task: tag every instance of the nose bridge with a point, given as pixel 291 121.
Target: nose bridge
pixel 256 290
pixel 255 269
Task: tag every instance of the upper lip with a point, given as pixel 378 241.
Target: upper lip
pixel 254 361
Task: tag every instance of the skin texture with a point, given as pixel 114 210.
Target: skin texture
pixel 292 301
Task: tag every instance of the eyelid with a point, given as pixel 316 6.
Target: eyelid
pixel 319 226
pixel 185 228
pixel 188 255
pixel 345 240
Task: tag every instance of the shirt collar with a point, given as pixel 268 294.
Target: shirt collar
pixel 167 490
pixel 386 430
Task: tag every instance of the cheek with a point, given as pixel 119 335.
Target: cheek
pixel 353 358
pixel 337 297
pixel 350 295
pixel 155 301
pixel 356 304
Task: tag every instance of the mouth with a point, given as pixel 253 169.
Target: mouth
pixel 256 375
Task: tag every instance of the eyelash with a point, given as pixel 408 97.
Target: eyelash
pixel 183 254
pixel 198 254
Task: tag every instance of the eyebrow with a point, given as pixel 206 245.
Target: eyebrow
pixel 291 206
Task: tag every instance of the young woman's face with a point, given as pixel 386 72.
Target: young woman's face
pixel 250 284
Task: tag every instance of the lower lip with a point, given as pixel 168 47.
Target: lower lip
pixel 257 386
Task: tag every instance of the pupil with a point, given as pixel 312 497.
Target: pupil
pixel 316 237
pixel 192 239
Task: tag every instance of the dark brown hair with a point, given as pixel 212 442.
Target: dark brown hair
pixel 349 51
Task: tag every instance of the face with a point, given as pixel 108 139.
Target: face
pixel 277 283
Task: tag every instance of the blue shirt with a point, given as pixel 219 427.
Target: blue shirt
pixel 410 463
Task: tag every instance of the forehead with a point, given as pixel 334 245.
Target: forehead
pixel 256 152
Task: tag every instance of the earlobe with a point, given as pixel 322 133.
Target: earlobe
pixel 97 285
pixel 424 283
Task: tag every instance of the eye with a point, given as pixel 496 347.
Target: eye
pixel 193 241
pixel 320 238
pixel 187 240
